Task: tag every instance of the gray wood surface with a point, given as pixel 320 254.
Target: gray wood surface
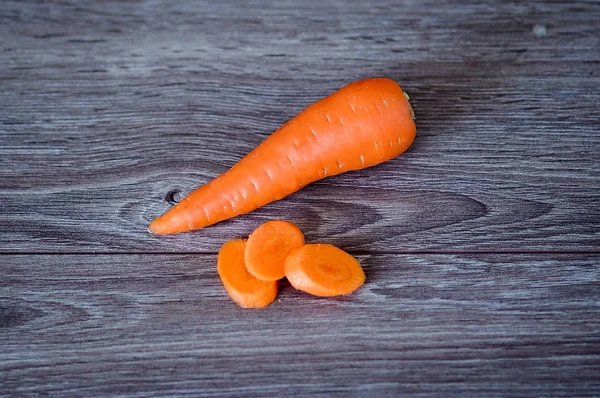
pixel 109 107
pixel 481 244
pixel 151 325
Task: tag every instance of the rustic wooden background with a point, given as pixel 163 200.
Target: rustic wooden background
pixel 481 244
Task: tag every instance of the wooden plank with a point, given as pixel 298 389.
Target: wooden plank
pixel 79 193
pixel 107 108
pixel 162 325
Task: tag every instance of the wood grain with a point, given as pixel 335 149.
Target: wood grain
pixel 481 244
pixel 161 325
pixel 109 108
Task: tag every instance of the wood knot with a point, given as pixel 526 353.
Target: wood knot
pixel 173 197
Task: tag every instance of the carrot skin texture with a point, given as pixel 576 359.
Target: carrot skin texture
pixel 268 246
pixel 323 270
pixel 242 287
pixel 361 125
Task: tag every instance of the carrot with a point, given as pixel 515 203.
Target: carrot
pixel 268 246
pixel 323 270
pixel 362 124
pixel 243 288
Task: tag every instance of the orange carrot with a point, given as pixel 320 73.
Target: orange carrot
pixel 243 288
pixel 323 270
pixel 362 124
pixel 268 246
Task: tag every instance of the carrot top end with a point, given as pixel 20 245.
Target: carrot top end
pixel 412 112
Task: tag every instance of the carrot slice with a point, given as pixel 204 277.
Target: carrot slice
pixel 243 288
pixel 323 270
pixel 268 246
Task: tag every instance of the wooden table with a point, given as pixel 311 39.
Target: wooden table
pixel 481 244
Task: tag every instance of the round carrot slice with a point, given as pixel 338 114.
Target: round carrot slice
pixel 323 270
pixel 268 246
pixel 244 289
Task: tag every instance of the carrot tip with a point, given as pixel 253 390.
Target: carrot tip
pixel 158 227
pixel 151 228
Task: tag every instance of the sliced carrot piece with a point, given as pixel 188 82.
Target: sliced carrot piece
pixel 323 270
pixel 244 289
pixel 268 246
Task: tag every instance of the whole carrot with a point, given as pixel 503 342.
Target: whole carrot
pixel 362 124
